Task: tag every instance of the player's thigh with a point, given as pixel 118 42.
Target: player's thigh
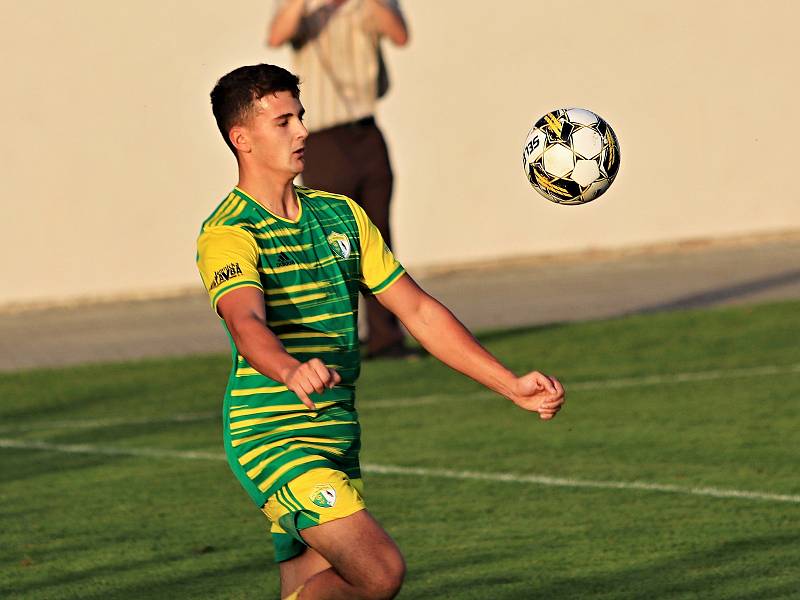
pixel 360 550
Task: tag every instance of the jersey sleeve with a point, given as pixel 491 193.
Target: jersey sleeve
pixel 227 258
pixel 379 268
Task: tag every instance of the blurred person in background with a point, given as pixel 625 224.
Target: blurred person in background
pixel 337 54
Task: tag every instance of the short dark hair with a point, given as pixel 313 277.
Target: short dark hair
pixel 232 99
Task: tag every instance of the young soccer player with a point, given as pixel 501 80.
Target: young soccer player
pixel 283 265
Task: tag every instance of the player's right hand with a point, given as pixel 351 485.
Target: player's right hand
pixel 310 377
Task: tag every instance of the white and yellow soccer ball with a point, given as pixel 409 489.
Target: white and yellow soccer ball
pixel 571 156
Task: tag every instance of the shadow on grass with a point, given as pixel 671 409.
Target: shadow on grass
pixel 733 569
pixel 192 581
pixel 58 393
pixel 744 569
pixel 244 582
pixel 23 464
pixel 692 302
pixel 501 335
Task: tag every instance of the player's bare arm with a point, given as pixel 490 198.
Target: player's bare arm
pixel 285 23
pixel 439 332
pixel 388 22
pixel 245 315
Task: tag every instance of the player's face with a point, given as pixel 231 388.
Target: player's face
pixel 277 135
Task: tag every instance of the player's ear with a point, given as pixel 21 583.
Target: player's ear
pixel 239 139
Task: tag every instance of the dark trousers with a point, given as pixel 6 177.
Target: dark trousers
pixel 352 160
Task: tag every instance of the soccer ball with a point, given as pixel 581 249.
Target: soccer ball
pixel 571 156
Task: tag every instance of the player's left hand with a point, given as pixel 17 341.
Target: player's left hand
pixel 537 392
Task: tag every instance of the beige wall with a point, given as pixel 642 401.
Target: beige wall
pixel 111 159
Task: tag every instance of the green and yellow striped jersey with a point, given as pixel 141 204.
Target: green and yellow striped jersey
pixel 310 271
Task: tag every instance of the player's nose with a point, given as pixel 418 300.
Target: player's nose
pixel 302 131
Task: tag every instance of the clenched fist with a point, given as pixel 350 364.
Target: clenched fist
pixel 537 392
pixel 309 377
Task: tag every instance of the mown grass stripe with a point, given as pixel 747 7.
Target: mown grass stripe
pixel 410 402
pixel 422 472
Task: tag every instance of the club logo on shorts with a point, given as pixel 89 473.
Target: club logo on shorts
pixel 340 244
pixel 323 496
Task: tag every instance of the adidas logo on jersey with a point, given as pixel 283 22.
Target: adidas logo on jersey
pixel 284 260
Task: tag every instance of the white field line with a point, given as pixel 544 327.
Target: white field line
pixel 111 422
pixel 599 384
pixel 602 384
pixel 421 472
pixel 646 380
pixel 110 450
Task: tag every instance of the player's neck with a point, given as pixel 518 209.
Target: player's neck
pixel 274 194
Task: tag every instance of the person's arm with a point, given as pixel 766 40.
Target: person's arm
pixel 227 257
pixel 245 315
pixel 389 21
pixel 441 334
pixel 285 23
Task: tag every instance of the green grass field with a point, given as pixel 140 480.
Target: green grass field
pixel 114 486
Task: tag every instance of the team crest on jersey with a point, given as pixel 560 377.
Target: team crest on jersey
pixel 323 496
pixel 340 244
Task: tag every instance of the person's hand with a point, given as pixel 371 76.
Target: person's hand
pixel 309 377
pixel 537 392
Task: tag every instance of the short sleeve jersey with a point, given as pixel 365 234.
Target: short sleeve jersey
pixel 310 271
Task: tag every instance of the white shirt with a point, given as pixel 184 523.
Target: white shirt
pixel 336 58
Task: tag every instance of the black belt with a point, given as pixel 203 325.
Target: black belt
pixel 365 122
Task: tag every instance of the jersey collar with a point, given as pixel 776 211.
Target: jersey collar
pixel 297 195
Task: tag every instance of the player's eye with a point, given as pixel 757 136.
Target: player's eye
pixel 283 123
